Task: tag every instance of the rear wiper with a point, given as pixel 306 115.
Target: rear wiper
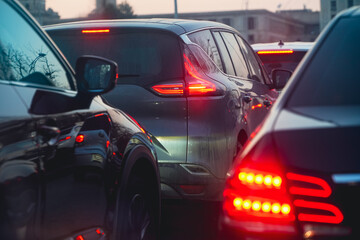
pixel 128 75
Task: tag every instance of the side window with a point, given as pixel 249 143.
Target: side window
pixel 24 56
pixel 205 40
pixel 229 68
pixel 254 65
pixel 236 55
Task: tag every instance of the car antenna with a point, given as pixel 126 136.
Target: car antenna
pixel 281 43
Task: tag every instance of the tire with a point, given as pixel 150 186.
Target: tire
pixel 137 211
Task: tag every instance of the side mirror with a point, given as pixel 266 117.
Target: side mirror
pixel 95 75
pixel 280 77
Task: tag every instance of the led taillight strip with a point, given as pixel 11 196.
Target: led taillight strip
pixel 263 52
pixel 169 89
pixel 324 191
pixel 95 31
pixel 336 218
pixel 260 179
pixel 258 206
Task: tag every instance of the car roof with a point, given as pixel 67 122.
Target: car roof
pixel 177 26
pixel 296 46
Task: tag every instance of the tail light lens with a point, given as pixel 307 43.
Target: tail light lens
pixel 283 51
pixel 260 190
pixel 196 82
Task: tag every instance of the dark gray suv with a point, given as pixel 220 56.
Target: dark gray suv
pixel 196 86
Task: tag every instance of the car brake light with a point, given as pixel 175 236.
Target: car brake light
pixel 264 52
pixel 95 31
pixel 79 138
pixel 260 190
pixel 169 89
pixel 195 84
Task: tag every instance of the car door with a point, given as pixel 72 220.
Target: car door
pixel 61 202
pixel 261 94
pixel 19 164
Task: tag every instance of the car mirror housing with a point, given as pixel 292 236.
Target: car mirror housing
pixel 95 75
pixel 280 77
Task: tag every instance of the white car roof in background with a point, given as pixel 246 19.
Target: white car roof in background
pixel 296 46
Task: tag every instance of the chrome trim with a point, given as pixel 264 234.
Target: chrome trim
pixel 349 178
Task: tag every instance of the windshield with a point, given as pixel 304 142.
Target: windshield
pixel 332 77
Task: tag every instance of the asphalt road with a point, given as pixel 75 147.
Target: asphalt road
pixel 188 220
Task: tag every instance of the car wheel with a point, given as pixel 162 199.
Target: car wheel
pixel 136 213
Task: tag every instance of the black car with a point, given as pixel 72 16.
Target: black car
pixel 71 167
pixel 299 178
pixel 196 86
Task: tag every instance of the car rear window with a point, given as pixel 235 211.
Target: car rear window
pixel 142 57
pixel 282 61
pixel 332 76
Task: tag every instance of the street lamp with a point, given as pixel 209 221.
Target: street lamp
pixel 176 11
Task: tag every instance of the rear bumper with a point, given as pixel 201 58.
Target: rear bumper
pixel 257 230
pixel 189 181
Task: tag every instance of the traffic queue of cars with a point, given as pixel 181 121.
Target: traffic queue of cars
pixel 190 100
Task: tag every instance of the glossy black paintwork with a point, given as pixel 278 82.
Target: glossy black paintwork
pixel 50 185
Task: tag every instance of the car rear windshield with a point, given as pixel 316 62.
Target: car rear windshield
pixel 332 77
pixel 282 61
pixel 142 57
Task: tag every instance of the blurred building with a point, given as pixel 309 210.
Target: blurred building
pixel 37 9
pixel 102 3
pixel 260 26
pixel 329 8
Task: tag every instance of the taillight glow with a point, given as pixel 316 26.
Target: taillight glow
pixel 79 237
pixel 169 89
pixel 65 139
pixel 264 52
pixel 336 217
pixel 259 206
pixel 80 138
pixel 107 144
pixel 95 31
pixel 99 115
pixel 260 179
pixel 324 191
pixel 256 106
pixel 196 85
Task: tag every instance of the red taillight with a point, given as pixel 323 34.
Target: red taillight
pixel 256 106
pixel 317 187
pixel 260 190
pixel 80 138
pixel 196 85
pixel 169 89
pixel 264 52
pixel 328 213
pixel 95 31
pixel 80 237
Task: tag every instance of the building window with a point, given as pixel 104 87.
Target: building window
pixel 251 39
pixel 350 3
pixel 27 6
pixel 227 21
pixel 332 16
pixel 251 23
pixel 333 5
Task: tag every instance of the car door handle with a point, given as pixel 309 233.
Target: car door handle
pixel 247 98
pixel 49 133
pixel 267 103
